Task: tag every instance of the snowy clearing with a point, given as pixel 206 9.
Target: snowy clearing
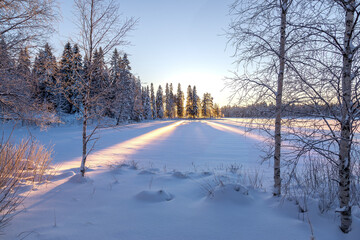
pixel 164 180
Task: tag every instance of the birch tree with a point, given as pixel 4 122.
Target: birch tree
pixel 262 41
pixel 24 22
pixel 328 78
pixel 100 25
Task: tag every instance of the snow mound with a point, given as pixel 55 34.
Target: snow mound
pixel 356 211
pixel 146 172
pixel 155 196
pixel 233 193
pixel 179 175
pixel 116 171
pixel 77 178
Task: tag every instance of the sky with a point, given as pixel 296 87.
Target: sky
pixel 174 42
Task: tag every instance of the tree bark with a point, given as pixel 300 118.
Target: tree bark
pixel 277 152
pixel 84 142
pixel 345 141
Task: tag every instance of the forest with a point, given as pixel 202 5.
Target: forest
pixel 94 146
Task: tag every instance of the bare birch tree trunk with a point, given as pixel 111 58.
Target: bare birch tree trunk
pixel 277 152
pixel 101 26
pixel 84 142
pixel 345 141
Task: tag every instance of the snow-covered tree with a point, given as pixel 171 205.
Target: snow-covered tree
pixel 172 101
pixel 44 72
pixel 66 81
pixel 138 110
pixel 217 110
pixel 167 102
pixel 207 105
pixel 180 102
pixel 189 102
pixel 159 103
pixel 77 76
pixel 195 103
pixel 23 65
pixel 153 102
pixel 146 103
pixel 126 91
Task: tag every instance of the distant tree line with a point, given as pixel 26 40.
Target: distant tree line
pixel 57 86
pixel 265 110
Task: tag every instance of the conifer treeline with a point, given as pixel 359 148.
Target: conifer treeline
pixel 57 86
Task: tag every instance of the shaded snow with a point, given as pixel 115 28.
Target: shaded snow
pixel 164 180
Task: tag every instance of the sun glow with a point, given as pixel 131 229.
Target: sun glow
pixel 222 127
pixel 119 153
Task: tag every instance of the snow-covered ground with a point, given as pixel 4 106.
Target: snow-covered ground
pixel 164 180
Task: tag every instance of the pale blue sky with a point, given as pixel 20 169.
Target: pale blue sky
pixel 175 41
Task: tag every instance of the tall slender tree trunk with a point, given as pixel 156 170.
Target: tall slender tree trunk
pixel 345 141
pixel 84 141
pixel 277 152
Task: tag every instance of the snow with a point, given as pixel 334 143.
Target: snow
pixel 164 180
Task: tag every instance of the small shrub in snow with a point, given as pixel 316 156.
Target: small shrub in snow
pixel 134 165
pixel 234 168
pixel 20 165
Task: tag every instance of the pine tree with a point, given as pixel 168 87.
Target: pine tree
pixel 77 76
pixel 146 103
pixel 126 91
pixel 24 64
pixel 207 105
pixel 99 82
pixel 113 97
pixel 180 102
pixel 23 70
pixel 45 71
pixel 153 102
pixel 217 110
pixel 167 102
pixel 189 102
pixel 100 77
pixel 6 77
pixel 138 109
pixel 196 101
pixel 66 80
pixel 172 101
pixel 6 62
pixel 159 103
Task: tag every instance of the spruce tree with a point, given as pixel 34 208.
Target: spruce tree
pixel 113 97
pixel 189 102
pixel 99 83
pixel 24 64
pixel 153 102
pixel 172 101
pixel 126 91
pixel 196 102
pixel 45 71
pixel 159 103
pixel 138 110
pixel 146 103
pixel 180 102
pixel 77 76
pixel 167 102
pixel 66 80
pixel 23 70
pixel 207 105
